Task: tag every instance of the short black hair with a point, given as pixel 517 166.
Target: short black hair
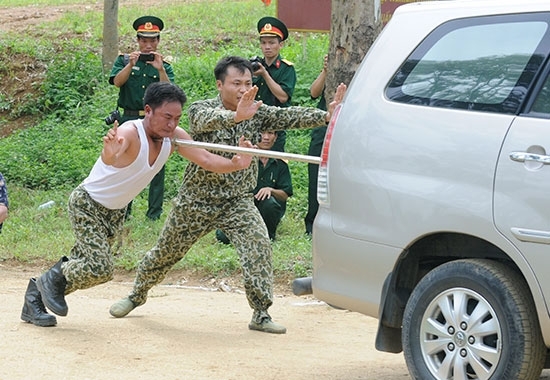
pixel 240 63
pixel 159 93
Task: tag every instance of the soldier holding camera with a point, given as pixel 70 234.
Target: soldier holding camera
pixel 274 76
pixel 132 73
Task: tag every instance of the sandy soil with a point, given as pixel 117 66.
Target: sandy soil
pixel 186 332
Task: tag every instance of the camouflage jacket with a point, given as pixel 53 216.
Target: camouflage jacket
pixel 210 122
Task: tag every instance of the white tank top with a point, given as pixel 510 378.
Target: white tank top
pixel 114 187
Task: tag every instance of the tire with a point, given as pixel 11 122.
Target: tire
pixel 472 319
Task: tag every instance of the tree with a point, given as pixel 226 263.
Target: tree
pixel 110 34
pixel 355 24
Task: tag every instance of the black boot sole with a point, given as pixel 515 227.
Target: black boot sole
pixel 38 322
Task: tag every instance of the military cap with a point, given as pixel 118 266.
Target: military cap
pixel 148 26
pixel 271 26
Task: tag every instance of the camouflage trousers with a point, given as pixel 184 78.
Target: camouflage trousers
pixel 95 227
pixel 191 218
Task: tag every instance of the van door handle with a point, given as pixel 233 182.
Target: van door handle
pixel 524 156
pixel 532 236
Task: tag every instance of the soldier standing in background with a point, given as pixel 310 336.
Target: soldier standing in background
pixel 132 73
pixel 274 76
pixel 316 90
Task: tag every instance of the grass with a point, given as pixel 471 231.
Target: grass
pixel 69 96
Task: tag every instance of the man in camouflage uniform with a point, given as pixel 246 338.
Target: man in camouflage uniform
pixel 132 154
pixel 273 188
pixel 206 200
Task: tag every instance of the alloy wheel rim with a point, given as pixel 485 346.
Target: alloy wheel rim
pixel 460 336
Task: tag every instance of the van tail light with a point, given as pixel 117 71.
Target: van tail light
pixel 322 179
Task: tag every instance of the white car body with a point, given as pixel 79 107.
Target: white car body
pixel 411 183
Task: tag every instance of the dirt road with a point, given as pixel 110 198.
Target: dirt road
pixel 190 332
pixel 186 332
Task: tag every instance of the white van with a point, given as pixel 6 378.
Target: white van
pixel 434 190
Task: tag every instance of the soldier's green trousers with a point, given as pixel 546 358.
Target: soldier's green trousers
pixel 156 195
pixel 191 218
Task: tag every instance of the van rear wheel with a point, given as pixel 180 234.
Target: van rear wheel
pixel 472 319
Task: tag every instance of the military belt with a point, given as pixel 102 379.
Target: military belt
pixel 134 112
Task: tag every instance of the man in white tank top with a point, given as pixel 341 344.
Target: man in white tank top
pixel 132 154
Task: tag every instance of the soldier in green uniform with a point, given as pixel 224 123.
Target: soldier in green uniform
pixel 207 201
pixel 132 73
pixel 274 76
pixel 273 189
pixel 315 146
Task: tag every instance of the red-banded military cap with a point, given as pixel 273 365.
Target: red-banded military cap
pixel 271 26
pixel 148 26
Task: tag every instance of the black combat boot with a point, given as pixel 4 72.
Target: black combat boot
pixel 33 310
pixel 52 287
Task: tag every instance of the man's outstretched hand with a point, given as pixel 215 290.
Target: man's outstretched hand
pixel 247 106
pixel 112 145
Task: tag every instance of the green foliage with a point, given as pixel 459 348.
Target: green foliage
pixel 57 153
pixel 16 56
pixel 46 159
pixel 57 159
pixel 31 233
pixel 71 81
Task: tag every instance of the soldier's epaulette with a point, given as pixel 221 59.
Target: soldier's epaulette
pixel 287 62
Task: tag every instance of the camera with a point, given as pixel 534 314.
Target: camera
pixel 147 57
pixel 113 116
pixel 256 63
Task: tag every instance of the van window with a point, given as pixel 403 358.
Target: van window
pixel 484 64
pixel 542 102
